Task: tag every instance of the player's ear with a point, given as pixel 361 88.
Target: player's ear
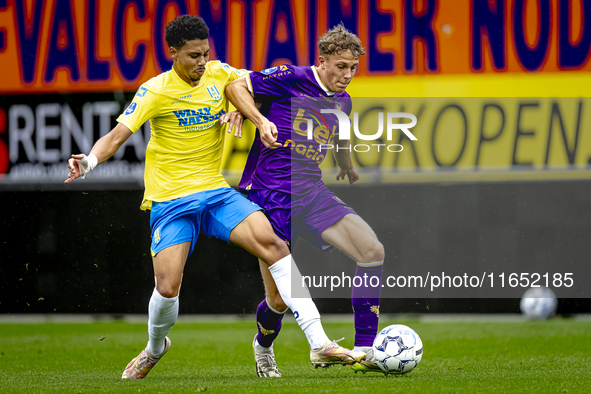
pixel 321 60
pixel 173 52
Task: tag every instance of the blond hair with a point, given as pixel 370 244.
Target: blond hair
pixel 338 40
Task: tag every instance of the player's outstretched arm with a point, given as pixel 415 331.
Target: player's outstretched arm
pixel 102 150
pixel 239 95
pixel 343 159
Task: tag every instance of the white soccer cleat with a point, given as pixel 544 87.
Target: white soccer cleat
pixel 331 353
pixel 139 367
pixel 265 362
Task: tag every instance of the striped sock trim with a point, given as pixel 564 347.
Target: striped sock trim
pixel 376 264
pixel 270 307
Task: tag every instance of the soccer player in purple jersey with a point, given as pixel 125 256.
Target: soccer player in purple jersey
pixel 282 175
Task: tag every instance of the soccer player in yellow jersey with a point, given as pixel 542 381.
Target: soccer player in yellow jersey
pixel 187 194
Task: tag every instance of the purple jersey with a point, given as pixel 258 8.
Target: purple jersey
pixel 291 95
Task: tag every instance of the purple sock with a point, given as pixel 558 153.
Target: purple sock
pixel 366 304
pixel 268 324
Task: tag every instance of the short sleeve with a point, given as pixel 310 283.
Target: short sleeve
pixel 234 73
pixel 272 83
pixel 143 107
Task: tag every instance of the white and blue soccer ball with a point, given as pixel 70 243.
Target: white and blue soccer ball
pixel 538 303
pixel 398 349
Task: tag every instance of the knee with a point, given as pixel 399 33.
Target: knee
pixel 168 289
pixel 374 252
pixel 273 247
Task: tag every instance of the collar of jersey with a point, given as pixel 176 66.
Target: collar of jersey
pixel 328 93
pixel 180 80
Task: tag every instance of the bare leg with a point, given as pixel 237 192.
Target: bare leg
pixel 355 238
pixel 169 265
pixel 255 235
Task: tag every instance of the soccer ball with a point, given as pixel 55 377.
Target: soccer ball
pixel 538 303
pixel 397 349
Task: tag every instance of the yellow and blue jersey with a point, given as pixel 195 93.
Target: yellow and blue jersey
pixel 185 149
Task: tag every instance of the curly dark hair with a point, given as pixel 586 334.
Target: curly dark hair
pixel 185 28
pixel 338 40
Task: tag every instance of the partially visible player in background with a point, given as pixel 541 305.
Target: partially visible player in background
pixel 186 192
pixel 288 184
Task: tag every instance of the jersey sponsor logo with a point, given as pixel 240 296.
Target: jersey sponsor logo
pixel 283 71
pixel 280 74
pixel 214 93
pixel 269 70
pixel 183 98
pixel 189 117
pixel 309 151
pixel 141 92
pixel 131 108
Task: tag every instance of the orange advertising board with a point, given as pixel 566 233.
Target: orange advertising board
pixel 63 46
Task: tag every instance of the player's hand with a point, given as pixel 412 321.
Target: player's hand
pixel 268 132
pixel 351 174
pixel 234 120
pixel 75 169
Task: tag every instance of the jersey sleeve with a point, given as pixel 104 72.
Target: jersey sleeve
pixel 346 104
pixel 349 105
pixel 272 83
pixel 143 107
pixel 234 73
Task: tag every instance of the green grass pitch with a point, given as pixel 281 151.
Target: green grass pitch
pixel 216 357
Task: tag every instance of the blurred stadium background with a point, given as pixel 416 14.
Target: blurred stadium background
pixel 500 172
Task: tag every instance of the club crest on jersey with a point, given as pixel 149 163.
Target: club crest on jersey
pixel 131 108
pixel 214 93
pixel 269 71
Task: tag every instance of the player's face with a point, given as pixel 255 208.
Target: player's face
pixel 338 70
pixel 189 60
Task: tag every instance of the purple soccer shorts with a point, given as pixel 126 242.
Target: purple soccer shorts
pixel 306 216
